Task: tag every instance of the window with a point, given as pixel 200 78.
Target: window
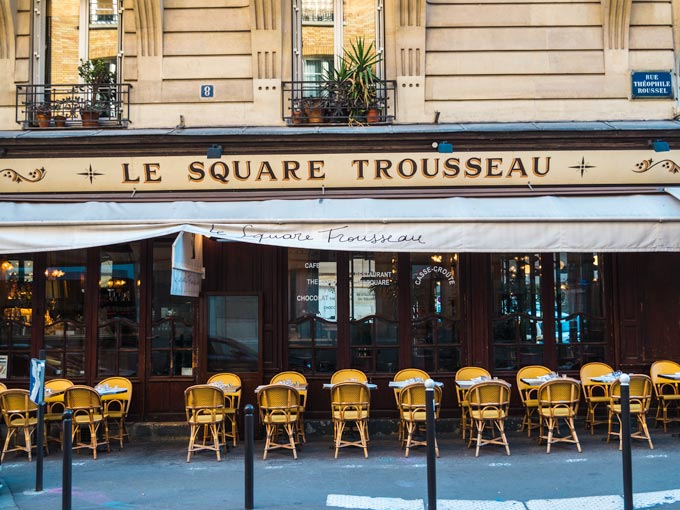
pixel 579 310
pixel 516 317
pixel 374 328
pixel 16 305
pixel 312 311
pixel 66 277
pixel 233 324
pixel 172 320
pixel 118 328
pixel 435 312
pixel 103 12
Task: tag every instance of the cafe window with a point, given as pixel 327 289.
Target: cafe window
pixel 435 312
pixel 172 320
pixel 312 311
pixel 118 328
pixel 374 329
pixel 233 323
pixel 16 306
pixel 517 317
pixel 579 310
pixel 65 284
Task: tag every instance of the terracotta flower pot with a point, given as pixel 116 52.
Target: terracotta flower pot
pixel 43 119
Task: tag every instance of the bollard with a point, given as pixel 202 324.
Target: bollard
pixel 431 455
pixel 67 467
pixel 248 456
pixel 625 443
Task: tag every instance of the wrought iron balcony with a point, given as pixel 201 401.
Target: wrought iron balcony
pixel 73 106
pixel 312 103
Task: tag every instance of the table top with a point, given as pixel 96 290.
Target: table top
pixel 605 379
pixel 371 386
pixel 468 383
pixel 537 381
pixel 226 388
pixel 675 376
pixel 403 384
pixel 102 390
pixel 302 388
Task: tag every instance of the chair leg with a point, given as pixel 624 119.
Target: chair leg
pixel 551 427
pixel 27 441
pixel 291 428
pixel 570 422
pixel 363 434
pixel 501 428
pixel 338 436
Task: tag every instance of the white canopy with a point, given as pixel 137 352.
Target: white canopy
pixel 621 223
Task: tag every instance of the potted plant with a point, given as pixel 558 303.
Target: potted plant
pixel 42 113
pixel 97 75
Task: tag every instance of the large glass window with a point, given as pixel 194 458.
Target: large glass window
pixel 435 312
pixel 233 333
pixel 16 307
pixel 312 318
pixel 118 328
pixel 65 286
pixel 172 319
pixel 374 331
pixel 517 316
pixel 579 310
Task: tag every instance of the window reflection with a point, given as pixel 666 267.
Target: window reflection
pixel 233 333
pixel 16 308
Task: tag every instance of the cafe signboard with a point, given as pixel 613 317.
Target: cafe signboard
pixel 337 171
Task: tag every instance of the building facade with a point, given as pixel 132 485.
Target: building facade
pixel 500 192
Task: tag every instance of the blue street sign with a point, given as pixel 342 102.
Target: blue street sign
pixel 37 381
pixel 652 84
pixel 207 91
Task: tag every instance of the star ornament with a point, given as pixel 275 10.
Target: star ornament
pixel 90 174
pixel 582 166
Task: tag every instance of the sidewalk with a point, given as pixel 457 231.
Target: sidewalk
pixel 155 475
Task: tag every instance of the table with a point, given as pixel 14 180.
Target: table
pixel 371 386
pixel 302 388
pixel 605 379
pixel 58 396
pixel 675 376
pixel 403 384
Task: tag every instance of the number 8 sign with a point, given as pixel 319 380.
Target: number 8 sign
pixel 207 91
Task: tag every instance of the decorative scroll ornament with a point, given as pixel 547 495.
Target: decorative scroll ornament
pixel 648 164
pixel 34 176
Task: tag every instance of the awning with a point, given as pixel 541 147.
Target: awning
pixel 605 223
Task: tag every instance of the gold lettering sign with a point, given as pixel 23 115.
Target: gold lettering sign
pixel 314 171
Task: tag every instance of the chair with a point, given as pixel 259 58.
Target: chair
pixel 299 382
pixel 232 401
pixel 3 387
pixel 116 406
pixel 667 392
pixel 594 393
pixel 205 411
pixel 279 411
pixel 488 403
pixel 350 403
pixel 88 414
pixel 412 413
pixel 348 374
pixel 640 392
pixel 404 375
pixel 558 399
pixel 54 406
pixel 528 394
pixel 467 374
pixel 20 415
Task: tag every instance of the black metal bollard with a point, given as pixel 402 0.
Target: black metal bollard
pixel 67 467
pixel 431 454
pixel 248 456
pixel 625 443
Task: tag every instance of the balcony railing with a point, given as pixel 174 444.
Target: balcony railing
pixel 73 106
pixel 312 103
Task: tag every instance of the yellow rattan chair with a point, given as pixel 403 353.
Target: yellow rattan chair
pixel 488 403
pixel 640 391
pixel 299 382
pixel 88 413
pixel 350 404
pixel 205 412
pixel 54 406
pixel 667 392
pixel 348 375
pixel 231 386
pixel 414 374
pixel 467 374
pixel 279 411
pixel 558 399
pixel 20 415
pixel 594 393
pixel 3 387
pixel 413 414
pixel 528 394
pixel 117 405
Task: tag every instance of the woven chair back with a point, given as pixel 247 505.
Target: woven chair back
pixel 563 393
pixel 120 382
pixel 351 393
pixel 529 372
pixel 278 395
pixel 639 389
pixel 227 378
pixel 411 373
pixel 82 397
pixel 594 369
pixel 412 398
pixel 58 384
pixel 204 400
pixel 289 376
pixel 3 387
pixel 663 367
pixel 348 375
pixel 16 406
pixel 489 393
pixel 467 373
